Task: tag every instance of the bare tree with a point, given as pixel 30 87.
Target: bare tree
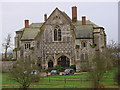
pixel 25 72
pixel 118 73
pixel 116 51
pixel 101 62
pixel 7 44
pixel 114 48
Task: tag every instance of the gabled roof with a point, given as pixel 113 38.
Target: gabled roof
pixel 68 18
pixel 84 31
pixel 63 13
pixel 29 34
pixel 81 31
pixel 35 25
pixel 88 22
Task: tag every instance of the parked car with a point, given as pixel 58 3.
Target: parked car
pixel 35 72
pixel 54 72
pixel 68 72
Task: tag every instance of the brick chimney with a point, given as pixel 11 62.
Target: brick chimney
pixel 74 14
pixel 45 17
pixel 26 23
pixel 83 20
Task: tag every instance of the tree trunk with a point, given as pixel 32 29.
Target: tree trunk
pixel 24 87
pixel 6 52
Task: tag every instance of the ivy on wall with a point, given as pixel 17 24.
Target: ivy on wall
pixel 77 46
pixel 92 45
pixel 16 49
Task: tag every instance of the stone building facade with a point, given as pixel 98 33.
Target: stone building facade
pixel 60 40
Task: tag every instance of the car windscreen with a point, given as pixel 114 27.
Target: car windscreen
pixel 67 70
pixel 53 71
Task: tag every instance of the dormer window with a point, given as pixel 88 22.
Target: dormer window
pixel 27 46
pixel 84 44
pixel 57 35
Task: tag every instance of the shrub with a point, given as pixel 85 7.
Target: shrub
pixel 49 69
pixel 73 67
pixel 58 67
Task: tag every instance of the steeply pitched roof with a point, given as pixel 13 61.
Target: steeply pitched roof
pixel 81 31
pixel 35 25
pixel 67 16
pixel 88 22
pixel 31 32
pixel 20 30
pixel 84 31
pixel 63 13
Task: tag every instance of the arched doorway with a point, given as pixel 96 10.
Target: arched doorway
pixel 50 64
pixel 64 61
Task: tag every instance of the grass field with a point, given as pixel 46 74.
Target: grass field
pixel 0 80
pixel 70 81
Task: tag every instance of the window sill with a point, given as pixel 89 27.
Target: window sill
pixel 58 42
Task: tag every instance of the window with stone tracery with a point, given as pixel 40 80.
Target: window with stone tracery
pixel 84 56
pixel 57 35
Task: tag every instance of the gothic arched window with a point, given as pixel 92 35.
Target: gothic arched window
pixel 84 56
pixel 50 64
pixel 55 35
pixel 59 35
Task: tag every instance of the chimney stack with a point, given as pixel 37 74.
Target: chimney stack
pixel 26 23
pixel 83 20
pixel 45 17
pixel 74 14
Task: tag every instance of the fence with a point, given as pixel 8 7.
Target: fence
pixel 76 81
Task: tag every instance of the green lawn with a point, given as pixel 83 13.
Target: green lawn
pixel 0 80
pixel 70 81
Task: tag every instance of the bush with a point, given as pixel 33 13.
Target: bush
pixel 49 69
pixel 73 67
pixel 58 67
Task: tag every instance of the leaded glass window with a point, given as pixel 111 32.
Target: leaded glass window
pixel 55 35
pixel 59 35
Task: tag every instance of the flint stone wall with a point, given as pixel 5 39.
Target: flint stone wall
pixel 6 65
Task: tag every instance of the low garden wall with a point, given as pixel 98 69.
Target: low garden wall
pixel 6 65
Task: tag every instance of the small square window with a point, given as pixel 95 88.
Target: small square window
pixel 84 44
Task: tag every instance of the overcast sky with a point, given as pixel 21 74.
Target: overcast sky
pixel 104 14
